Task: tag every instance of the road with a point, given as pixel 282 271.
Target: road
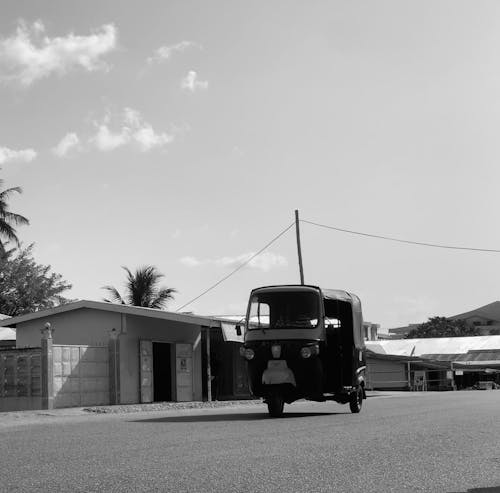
pixel 430 442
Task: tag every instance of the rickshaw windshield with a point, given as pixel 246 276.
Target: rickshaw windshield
pixel 284 310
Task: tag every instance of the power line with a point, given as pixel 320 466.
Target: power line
pixel 420 243
pixel 237 268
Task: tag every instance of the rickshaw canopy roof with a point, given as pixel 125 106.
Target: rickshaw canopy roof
pixel 332 294
pixel 357 315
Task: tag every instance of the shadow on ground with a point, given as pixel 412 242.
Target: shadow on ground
pixel 492 489
pixel 200 418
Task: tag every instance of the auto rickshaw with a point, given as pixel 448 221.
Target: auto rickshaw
pixel 304 342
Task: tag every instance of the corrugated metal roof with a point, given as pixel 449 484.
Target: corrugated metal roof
pixel 439 345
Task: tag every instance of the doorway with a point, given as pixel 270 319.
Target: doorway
pixel 162 372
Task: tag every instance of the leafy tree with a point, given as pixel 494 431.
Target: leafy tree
pixel 9 219
pixel 26 286
pixel 141 289
pixel 443 327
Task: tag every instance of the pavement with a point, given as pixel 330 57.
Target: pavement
pixel 435 442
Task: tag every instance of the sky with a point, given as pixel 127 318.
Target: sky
pixel 184 134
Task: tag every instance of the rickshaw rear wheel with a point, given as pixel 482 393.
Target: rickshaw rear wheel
pixel 275 405
pixel 356 400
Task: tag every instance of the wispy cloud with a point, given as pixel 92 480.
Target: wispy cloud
pixel 264 262
pixel 22 155
pixel 132 130
pixel 192 84
pixel 30 55
pixel 70 142
pixel 164 53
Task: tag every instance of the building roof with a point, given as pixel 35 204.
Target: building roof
pixel 403 330
pixel 490 312
pixel 7 334
pixel 114 307
pixel 438 345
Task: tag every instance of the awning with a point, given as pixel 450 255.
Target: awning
pixel 230 332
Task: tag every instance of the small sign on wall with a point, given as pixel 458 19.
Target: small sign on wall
pixel 184 365
pixel 184 372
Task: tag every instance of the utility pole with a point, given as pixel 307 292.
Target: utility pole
pixel 299 251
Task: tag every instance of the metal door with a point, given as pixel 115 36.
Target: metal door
pixel 146 370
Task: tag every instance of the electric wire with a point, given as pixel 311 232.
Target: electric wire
pixel 238 268
pixel 399 240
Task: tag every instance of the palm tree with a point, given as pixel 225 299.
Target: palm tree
pixel 141 289
pixel 9 219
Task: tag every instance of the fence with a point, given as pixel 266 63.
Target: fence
pixel 20 379
pixel 57 375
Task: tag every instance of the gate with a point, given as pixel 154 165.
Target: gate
pixel 81 375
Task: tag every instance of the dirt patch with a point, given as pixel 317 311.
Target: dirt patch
pixel 168 406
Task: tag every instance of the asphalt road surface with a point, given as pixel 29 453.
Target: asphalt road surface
pixel 432 442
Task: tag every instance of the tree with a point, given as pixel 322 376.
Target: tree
pixel 443 327
pixel 26 286
pixel 141 289
pixel 9 219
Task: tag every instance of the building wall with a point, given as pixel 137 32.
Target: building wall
pixel 84 326
pixel 386 374
pixel 156 330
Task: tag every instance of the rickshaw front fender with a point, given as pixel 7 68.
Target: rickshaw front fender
pixel 277 372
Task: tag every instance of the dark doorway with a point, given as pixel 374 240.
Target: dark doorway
pixel 162 372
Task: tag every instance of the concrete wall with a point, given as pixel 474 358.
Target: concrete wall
pixel 82 327
pixel 156 330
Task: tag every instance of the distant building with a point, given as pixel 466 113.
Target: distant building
pixel 370 331
pixel 401 332
pixel 440 363
pixel 486 318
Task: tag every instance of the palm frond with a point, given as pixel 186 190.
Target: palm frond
pixel 115 295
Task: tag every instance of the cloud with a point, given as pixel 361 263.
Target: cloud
pixel 191 82
pixel 132 130
pixel 69 142
pixel 164 53
pixel 23 155
pixel 264 262
pixel 30 55
pixel 192 261
pixel 105 140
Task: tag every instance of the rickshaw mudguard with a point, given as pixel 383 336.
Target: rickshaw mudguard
pixel 278 372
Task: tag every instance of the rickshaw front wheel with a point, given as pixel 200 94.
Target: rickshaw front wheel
pixel 275 405
pixel 356 400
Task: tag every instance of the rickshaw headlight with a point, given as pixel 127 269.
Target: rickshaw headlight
pixel 306 352
pixel 248 354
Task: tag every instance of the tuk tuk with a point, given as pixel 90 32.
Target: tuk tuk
pixel 304 342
